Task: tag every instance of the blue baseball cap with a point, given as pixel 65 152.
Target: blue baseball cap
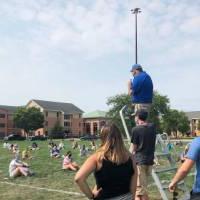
pixel 136 66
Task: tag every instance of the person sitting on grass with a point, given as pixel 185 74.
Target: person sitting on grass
pixel 75 145
pixel 26 154
pixel 61 145
pixel 113 166
pixel 15 149
pixel 68 163
pixel 93 146
pixel 11 147
pixel 34 146
pixel 51 144
pixel 5 145
pixel 19 168
pixel 83 151
pixel 55 152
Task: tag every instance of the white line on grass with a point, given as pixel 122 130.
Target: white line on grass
pixel 46 189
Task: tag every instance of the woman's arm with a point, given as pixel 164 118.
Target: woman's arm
pixel 134 178
pixel 181 173
pixel 87 168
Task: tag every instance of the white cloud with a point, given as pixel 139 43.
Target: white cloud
pixel 191 25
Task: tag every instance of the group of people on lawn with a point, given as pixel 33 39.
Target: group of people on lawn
pixel 122 174
pixel 17 167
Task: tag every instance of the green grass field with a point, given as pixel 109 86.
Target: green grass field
pixel 49 183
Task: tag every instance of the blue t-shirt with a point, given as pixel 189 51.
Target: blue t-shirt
pixel 142 88
pixel 194 154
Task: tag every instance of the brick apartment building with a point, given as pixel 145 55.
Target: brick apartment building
pixel 7 126
pixel 66 114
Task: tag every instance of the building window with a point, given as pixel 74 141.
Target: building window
pixel 2 115
pixel 67 116
pixel 46 114
pixel 88 128
pixel 2 125
pixel 57 114
pixel 66 124
pixel 95 127
pixel 79 124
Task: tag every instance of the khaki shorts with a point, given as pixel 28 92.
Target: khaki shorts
pixel 144 171
pixel 143 106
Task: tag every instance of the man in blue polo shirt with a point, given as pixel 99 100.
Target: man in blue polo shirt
pixel 192 157
pixel 140 88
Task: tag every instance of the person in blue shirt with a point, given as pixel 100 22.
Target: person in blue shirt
pixel 191 158
pixel 140 88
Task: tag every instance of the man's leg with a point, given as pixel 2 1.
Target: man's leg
pixel 135 107
pixel 23 170
pixel 145 106
pixel 148 170
pixel 141 190
pixel 16 172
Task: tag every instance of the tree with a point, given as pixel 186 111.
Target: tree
pixel 28 119
pixel 57 131
pixel 57 127
pixel 175 121
pixel 160 107
pixel 116 103
pixel 184 123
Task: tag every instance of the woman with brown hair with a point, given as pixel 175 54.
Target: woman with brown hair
pixel 113 167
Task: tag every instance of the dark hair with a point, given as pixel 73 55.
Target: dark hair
pixel 140 69
pixel 142 114
pixel 69 153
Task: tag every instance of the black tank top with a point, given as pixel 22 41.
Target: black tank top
pixel 114 179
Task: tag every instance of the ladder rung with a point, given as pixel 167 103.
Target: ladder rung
pixel 165 170
pixel 162 154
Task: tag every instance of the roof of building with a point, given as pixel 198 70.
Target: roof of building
pixel 9 108
pixel 59 106
pixel 193 115
pixel 95 114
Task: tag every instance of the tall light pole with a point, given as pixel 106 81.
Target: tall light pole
pixel 136 11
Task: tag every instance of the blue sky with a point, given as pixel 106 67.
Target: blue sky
pixel 81 51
